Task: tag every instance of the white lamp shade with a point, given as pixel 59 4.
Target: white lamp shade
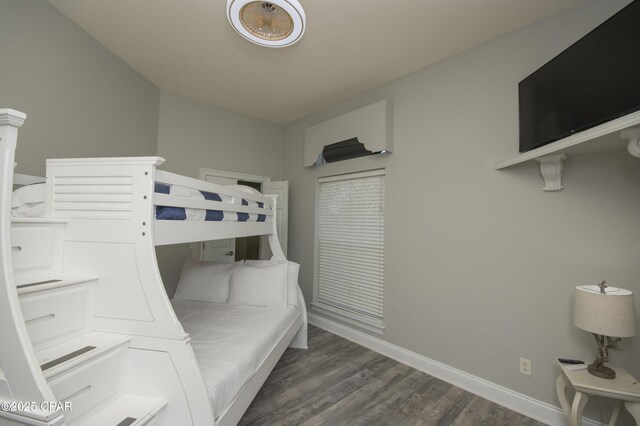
pixel 611 314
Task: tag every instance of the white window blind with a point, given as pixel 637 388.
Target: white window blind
pixel 350 246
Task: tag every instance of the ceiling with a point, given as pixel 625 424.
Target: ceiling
pixel 187 47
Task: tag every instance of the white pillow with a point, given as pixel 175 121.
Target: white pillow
pixel 259 286
pixel 28 201
pixel 204 281
pixel 28 194
pixel 293 269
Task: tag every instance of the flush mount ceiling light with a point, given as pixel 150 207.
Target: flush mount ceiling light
pixel 276 23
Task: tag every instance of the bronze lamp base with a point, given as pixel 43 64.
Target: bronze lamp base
pixel 601 371
pixel 604 344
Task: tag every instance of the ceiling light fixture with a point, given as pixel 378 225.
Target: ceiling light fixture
pixel 275 23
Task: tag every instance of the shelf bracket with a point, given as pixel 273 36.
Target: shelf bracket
pixel 551 171
pixel 632 134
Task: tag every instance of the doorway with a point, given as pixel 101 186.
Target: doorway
pixel 248 248
pixel 254 247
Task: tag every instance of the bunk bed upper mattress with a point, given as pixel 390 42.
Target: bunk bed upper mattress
pixel 231 342
pixel 28 201
pixel 181 213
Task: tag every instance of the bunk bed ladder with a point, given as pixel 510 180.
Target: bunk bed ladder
pixel 52 355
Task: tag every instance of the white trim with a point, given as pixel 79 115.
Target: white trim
pixel 349 317
pixel 105 161
pixel 204 172
pixel 356 175
pixel 501 395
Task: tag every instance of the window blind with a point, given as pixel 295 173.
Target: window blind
pixel 350 245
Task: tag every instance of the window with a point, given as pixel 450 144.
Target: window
pixel 349 267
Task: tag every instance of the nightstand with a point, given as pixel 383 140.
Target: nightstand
pixel 624 389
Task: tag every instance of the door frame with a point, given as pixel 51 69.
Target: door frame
pixel 203 172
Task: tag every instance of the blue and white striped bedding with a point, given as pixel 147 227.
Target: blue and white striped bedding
pixel 181 213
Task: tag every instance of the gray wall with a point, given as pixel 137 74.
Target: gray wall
pixel 192 135
pixel 481 264
pixel 80 99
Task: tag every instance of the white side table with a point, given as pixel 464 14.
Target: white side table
pixel 625 389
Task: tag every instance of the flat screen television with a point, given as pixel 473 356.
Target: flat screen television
pixel 595 80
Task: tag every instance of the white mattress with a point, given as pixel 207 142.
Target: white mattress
pixel 231 342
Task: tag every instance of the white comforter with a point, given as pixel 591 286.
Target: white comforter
pixel 231 342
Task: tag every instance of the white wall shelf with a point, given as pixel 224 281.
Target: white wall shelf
pixel 610 136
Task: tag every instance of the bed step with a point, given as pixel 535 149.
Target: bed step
pixel 61 358
pixel 57 309
pixel 48 282
pixel 37 247
pixel 87 372
pixel 129 410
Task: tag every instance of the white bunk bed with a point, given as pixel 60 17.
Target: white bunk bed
pixel 84 316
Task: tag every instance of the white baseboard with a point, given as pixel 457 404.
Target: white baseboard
pixel 508 398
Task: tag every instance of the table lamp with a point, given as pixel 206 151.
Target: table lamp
pixel 608 313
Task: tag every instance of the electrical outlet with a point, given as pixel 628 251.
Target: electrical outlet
pixel 525 366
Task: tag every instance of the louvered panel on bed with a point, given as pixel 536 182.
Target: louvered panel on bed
pixel 104 197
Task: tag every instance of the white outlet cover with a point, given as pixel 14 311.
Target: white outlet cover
pixel 525 366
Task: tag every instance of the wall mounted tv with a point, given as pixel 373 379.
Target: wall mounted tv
pixel 595 80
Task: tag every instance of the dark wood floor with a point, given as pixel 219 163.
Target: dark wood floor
pixel 337 382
